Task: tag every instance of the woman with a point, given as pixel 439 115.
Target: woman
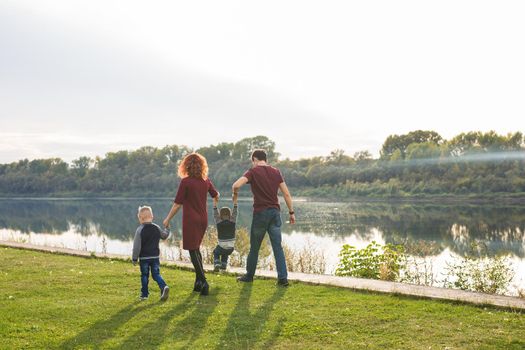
pixel 191 196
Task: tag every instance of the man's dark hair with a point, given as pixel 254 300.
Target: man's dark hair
pixel 260 154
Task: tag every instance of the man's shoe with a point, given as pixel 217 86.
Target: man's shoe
pixel 245 278
pixel 283 282
pixel 142 298
pixel 165 293
pixel 205 288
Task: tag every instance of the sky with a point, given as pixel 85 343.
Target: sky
pixel 88 77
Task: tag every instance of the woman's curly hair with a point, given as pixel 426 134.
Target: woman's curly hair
pixel 194 165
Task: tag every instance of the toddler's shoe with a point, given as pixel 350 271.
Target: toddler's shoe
pixel 224 266
pixel 216 267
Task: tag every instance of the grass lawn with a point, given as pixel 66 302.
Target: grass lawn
pixel 56 301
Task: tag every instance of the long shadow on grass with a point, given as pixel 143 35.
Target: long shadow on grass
pixel 191 327
pixel 102 330
pixel 244 327
pixel 187 330
pixel 270 341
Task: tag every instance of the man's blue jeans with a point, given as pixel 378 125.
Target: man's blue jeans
pixel 146 266
pixel 268 220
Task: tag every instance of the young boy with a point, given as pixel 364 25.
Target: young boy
pixel 146 247
pixel 225 221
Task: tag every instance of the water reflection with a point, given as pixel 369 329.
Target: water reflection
pixel 452 227
pixel 501 228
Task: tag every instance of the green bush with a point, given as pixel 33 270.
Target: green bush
pixel 375 261
pixel 484 275
pixel 475 272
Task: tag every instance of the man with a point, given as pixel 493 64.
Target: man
pixel 265 182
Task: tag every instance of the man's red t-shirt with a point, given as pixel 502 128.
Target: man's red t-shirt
pixel 264 181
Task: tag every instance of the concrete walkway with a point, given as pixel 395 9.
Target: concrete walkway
pixel 344 282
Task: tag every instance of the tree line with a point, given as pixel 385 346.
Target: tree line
pixel 418 163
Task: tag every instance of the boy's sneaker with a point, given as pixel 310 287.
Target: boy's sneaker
pixel 283 282
pixel 216 267
pixel 245 278
pixel 142 298
pixel 165 293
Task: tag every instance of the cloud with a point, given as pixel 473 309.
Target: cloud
pixel 60 85
pixel 313 78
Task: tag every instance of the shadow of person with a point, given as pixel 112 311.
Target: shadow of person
pixel 245 328
pixel 153 334
pixel 104 329
pixel 189 330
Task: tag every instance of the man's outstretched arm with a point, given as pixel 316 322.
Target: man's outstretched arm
pixel 238 184
pixel 288 199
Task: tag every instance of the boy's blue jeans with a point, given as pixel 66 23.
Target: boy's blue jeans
pixel 220 255
pixel 145 266
pixel 268 220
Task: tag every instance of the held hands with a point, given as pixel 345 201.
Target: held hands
pixel 166 223
pixel 215 200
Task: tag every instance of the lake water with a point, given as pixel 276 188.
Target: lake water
pixel 108 225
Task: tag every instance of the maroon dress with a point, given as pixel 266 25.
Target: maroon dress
pixel 192 195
